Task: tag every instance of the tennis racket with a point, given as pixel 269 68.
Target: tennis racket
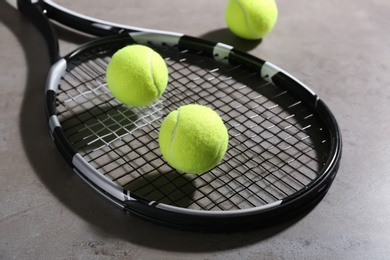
pixel 284 148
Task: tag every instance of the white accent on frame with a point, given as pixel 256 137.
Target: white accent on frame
pixel 53 123
pixel 57 70
pixel 221 52
pixel 99 179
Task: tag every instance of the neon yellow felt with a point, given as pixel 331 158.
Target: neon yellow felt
pixel 251 19
pixel 193 139
pixel 137 75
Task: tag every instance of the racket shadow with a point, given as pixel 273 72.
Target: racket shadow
pixel 74 194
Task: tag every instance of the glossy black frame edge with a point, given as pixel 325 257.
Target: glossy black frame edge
pixel 289 207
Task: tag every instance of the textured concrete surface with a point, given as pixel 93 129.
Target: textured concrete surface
pixel 339 48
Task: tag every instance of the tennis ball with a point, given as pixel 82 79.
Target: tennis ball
pixel 251 19
pixel 137 75
pixel 193 139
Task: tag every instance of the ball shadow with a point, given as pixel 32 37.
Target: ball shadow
pixel 170 188
pixel 224 35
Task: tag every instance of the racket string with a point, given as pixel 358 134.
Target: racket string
pixel 272 150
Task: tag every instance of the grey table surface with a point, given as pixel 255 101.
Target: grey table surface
pixel 341 49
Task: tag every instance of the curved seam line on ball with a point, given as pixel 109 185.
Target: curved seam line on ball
pixel 246 18
pixel 151 72
pixel 173 137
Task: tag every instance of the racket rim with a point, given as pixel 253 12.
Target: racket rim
pixel 327 170
pixel 332 164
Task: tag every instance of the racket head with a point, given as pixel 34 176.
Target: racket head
pixel 284 149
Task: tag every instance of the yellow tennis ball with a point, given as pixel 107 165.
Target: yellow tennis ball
pixel 137 75
pixel 251 19
pixel 193 139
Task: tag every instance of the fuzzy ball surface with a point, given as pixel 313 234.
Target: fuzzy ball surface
pixel 137 75
pixel 251 19
pixel 193 139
